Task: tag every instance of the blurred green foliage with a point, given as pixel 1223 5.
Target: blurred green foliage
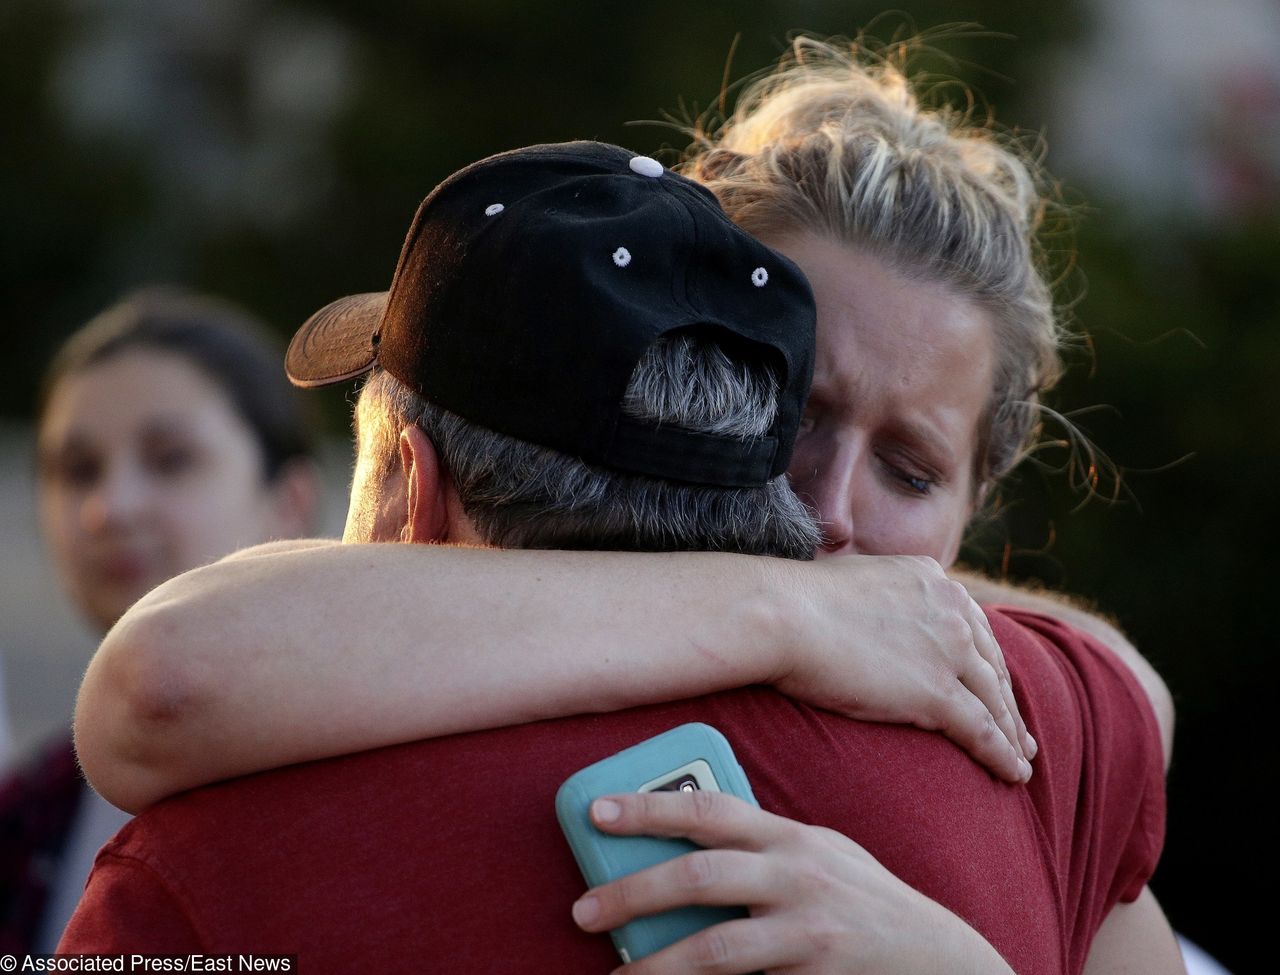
pixel 1183 322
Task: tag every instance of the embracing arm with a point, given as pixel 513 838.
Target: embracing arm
pixel 297 651
pixel 1135 939
pixel 989 592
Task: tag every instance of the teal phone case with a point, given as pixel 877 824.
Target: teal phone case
pixel 603 857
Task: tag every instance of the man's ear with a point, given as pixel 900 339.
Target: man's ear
pixel 426 488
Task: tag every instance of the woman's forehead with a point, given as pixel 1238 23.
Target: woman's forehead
pixel 135 389
pixel 872 317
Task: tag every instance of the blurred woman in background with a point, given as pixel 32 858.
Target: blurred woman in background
pixel 166 437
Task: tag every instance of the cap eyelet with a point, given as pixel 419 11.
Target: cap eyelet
pixel 493 209
pixel 759 277
pixel 645 166
pixel 622 257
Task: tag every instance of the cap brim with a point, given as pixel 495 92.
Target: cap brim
pixel 336 343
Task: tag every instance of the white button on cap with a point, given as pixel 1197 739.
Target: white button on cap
pixel 645 166
pixel 493 209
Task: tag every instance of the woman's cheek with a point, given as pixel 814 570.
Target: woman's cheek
pixel 897 525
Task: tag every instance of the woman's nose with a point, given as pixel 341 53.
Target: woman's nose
pixel 831 492
pixel 115 500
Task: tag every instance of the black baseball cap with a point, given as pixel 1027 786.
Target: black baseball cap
pixel 532 282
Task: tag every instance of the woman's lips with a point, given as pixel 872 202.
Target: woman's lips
pixel 124 568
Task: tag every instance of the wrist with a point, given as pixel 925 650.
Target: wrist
pixel 725 624
pixel 772 620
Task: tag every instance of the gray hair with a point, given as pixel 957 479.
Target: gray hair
pixel 520 495
pixel 835 142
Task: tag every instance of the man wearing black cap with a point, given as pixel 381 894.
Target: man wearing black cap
pixel 578 350
pixel 618 284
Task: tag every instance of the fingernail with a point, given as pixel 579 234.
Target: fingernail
pixel 585 911
pixel 605 810
pixel 1032 746
pixel 1024 767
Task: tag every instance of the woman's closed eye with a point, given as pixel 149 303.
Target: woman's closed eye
pixel 909 476
pixel 73 469
pixel 169 460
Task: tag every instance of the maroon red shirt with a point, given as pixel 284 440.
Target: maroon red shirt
pixel 445 855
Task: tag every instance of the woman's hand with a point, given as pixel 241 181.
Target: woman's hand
pixel 819 903
pixel 893 639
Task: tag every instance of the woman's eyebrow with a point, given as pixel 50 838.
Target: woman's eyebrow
pixel 75 440
pixel 926 436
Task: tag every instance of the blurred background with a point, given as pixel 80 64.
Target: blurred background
pixel 273 151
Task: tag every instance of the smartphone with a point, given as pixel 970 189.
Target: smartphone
pixel 684 759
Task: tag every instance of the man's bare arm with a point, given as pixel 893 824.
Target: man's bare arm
pixel 298 651
pixel 989 592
